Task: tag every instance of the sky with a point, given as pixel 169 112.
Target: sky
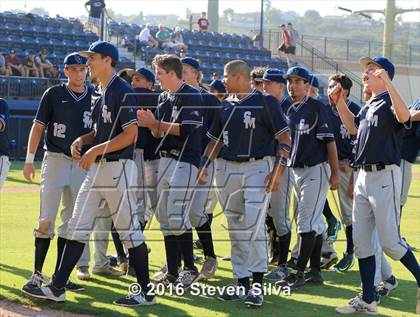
pixel 71 8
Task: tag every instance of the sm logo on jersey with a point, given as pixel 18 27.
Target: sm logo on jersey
pixel 302 128
pixel 106 115
pixel 248 120
pixel 175 113
pixel 87 120
pixel 344 133
pixel 372 119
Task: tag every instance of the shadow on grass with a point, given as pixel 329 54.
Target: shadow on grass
pixel 21 181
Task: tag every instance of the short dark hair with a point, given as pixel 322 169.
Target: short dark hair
pixel 113 63
pixel 344 81
pixel 169 63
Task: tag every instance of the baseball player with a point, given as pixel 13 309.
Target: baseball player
pixel 217 88
pixel 256 78
pixel 245 133
pixel 177 122
pixel 275 84
pixel 312 146
pixel 377 185
pixel 63 113
pixel 4 141
pixel 199 218
pixel 345 144
pixel 109 164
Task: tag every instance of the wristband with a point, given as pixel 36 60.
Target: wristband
pixel 29 158
pixel 205 161
pixel 281 160
pixel 284 147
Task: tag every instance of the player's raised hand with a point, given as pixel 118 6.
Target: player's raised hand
pixel 145 118
pixel 334 181
pixel 382 74
pixel 29 171
pixel 76 148
pixel 336 93
pixel 202 175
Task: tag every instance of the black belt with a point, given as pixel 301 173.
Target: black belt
pixel 249 159
pixel 104 159
pixel 168 154
pixel 372 167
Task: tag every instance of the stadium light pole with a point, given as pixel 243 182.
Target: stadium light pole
pixel 390 13
pixel 262 25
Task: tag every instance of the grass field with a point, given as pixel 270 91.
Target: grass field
pixel 19 207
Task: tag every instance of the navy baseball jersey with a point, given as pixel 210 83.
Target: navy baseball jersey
pixel 186 108
pixel 4 119
pixel 343 139
pixel 310 131
pixel 247 127
pixel 211 105
pixel 380 135
pixel 114 111
pixel 147 99
pixel 411 143
pixel 66 115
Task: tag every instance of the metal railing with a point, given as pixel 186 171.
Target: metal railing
pixel 29 88
pixel 348 50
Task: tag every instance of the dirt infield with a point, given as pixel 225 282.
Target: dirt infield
pixel 21 189
pixel 9 309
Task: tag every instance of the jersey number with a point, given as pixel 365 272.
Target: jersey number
pixel 59 130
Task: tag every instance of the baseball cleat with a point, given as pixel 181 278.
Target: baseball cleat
pixel 209 268
pixel 254 297
pixel 36 281
pixel 293 280
pixel 48 292
pixel 82 273
pixel 198 258
pixel 314 277
pixel 166 279
pixel 345 264
pixel 357 305
pixel 385 287
pixel 70 286
pixel 112 260
pixel 233 293
pixel 135 300
pixel 278 274
pixel 186 278
pixel 328 260
pixel 198 245
pixel 334 226
pixel 107 271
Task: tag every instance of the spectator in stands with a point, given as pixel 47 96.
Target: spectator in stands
pixel 217 88
pixel 256 40
pixel 30 66
pixel 163 37
pixel 96 8
pixel 291 52
pixel 284 40
pixel 256 78
pixel 45 66
pixel 178 40
pixel 203 23
pixel 146 38
pixel 3 69
pixel 14 65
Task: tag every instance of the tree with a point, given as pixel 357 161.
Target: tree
pixel 39 11
pixel 228 14
pixel 312 15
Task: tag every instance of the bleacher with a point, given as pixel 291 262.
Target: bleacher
pixel 213 50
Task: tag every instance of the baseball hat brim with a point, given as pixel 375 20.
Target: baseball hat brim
pixel 365 61
pixel 86 53
pixel 129 71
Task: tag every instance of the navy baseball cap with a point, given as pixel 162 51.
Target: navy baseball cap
pixel 274 74
pixel 313 81
pixel 218 85
pixel 143 72
pixel 74 59
pixel 299 72
pixel 192 62
pixel 380 61
pixel 102 47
